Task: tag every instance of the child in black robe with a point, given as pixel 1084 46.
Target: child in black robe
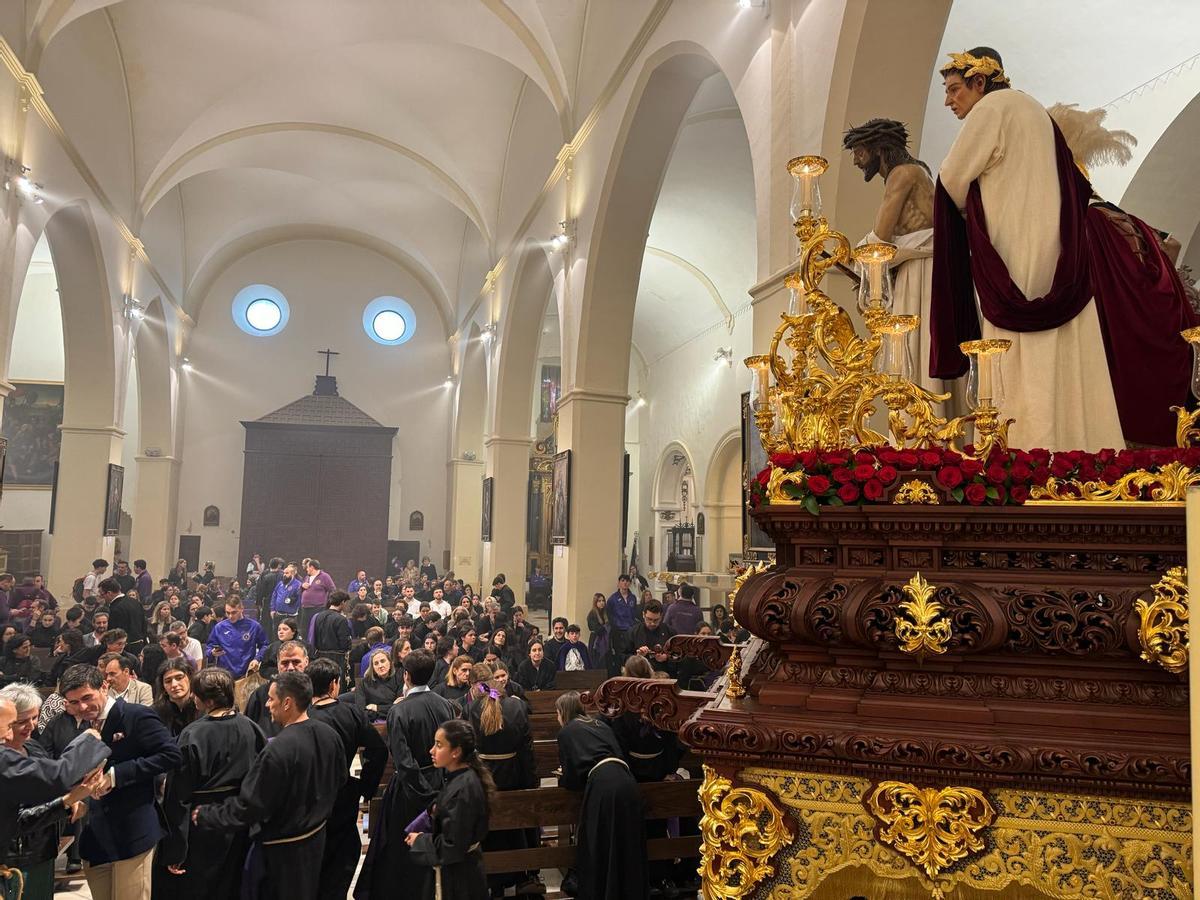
pixel 458 819
pixel 611 839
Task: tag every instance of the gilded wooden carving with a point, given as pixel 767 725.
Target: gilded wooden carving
pixel 742 829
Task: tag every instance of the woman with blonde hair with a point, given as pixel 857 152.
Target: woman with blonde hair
pixel 160 621
pixel 505 746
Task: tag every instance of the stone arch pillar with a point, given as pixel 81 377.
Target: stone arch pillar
pixel 465 466
pixel 91 439
pixel 723 503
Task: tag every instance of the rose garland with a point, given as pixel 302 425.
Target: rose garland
pixel 867 475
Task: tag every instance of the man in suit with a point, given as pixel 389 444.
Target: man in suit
pixel 125 613
pixel 122 683
pixel 123 826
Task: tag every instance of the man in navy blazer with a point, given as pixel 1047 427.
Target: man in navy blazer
pixel 123 825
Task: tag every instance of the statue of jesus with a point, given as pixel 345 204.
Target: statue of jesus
pixel 1009 222
pixel 904 218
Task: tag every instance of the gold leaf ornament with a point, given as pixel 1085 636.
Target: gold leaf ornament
pixel 1167 485
pixel 932 827
pixel 916 493
pixel 1163 632
pixel 925 630
pixel 742 830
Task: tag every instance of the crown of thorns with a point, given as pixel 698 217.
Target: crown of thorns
pixel 876 132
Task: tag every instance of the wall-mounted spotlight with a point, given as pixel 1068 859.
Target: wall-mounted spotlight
pixel 134 311
pixel 186 364
pixel 566 233
pixel 724 355
pixel 19 180
pixel 640 401
pixel 487 332
pixel 449 380
pixel 751 4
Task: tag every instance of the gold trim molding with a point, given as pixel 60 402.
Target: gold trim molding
pixel 916 493
pixel 1163 632
pixel 742 829
pixel 1168 485
pixel 1038 845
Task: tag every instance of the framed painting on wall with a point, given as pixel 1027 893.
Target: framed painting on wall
pixel 486 526
pixel 560 511
pixel 33 412
pixel 112 500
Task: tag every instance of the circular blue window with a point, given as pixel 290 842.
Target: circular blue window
pixel 389 321
pixel 260 310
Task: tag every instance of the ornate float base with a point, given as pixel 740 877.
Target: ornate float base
pixel 793 835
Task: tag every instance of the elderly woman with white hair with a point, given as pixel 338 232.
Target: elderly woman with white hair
pixel 34 846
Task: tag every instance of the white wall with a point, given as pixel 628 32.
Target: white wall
pixel 239 377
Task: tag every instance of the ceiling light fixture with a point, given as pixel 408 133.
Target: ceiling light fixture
pixel 566 233
pixel 134 311
pixel 487 332
pixel 724 355
pixel 23 184
pixel 640 401
pixel 186 365
pixel 449 380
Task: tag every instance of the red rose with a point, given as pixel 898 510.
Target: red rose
pixel 906 460
pixel 1060 466
pixel 951 457
pixel 929 459
pixel 818 484
pixel 842 475
pixel 1019 472
pixel 863 471
pixel 889 456
pixel 864 457
pixel 837 457
pixel 1040 475
pixel 975 493
pixel 950 476
pixel 784 460
pixel 1111 474
pixel 887 474
pixel 970 467
pixel 1019 493
pixel 764 476
pixel 996 474
pixel 808 459
pixel 874 490
pixel 1106 456
pixel 848 493
pixel 1040 456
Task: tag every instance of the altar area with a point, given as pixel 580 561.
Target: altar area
pixel 968 675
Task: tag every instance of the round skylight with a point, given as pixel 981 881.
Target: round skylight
pixel 389 325
pixel 263 314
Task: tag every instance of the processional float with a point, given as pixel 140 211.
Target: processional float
pixel 967 676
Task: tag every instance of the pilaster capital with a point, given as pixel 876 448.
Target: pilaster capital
pixel 583 395
pixel 493 440
pixel 108 430
pixel 173 460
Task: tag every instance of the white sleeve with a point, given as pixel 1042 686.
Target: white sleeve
pixel 977 148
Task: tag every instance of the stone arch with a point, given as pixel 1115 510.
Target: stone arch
pixel 660 102
pixel 1157 194
pixel 723 500
pixel 675 499
pixel 519 328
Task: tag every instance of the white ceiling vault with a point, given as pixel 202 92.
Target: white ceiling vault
pixel 425 127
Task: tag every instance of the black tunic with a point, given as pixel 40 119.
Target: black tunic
pixel 217 755
pixel 381 693
pixel 454 846
pixel 536 678
pixel 611 860
pixel 342 844
pixel 257 712
pixel 652 755
pixel 287 797
pixel 412 724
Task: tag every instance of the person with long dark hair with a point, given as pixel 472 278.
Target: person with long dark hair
pixel 218 749
pixel 449 836
pixel 611 838
pixel 176 703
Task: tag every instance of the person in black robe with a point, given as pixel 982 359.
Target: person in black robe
pixel 379 688
pixel 505 745
pixel 176 703
pixel 536 673
pixel 611 838
pixel 650 635
pixel 342 844
pixel 412 724
pixel 286 799
pixel 457 822
pixel 218 749
pixel 457 682
pixel 293 657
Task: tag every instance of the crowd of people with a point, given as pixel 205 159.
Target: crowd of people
pixel 232 716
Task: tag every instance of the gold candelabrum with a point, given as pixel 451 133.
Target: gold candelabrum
pixel 1187 424
pixel 821 382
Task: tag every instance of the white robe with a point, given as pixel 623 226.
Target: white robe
pixel 1056 382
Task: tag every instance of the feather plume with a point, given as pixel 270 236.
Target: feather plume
pixel 1091 143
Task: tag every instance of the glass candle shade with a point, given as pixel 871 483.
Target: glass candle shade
pixel 806 192
pixel 760 380
pixel 985 385
pixel 797 297
pixel 875 285
pixel 895 358
pixel 1192 336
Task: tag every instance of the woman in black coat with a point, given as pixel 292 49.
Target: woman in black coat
pixel 611 838
pixel 380 688
pixel 449 837
pixel 17 662
pixel 536 673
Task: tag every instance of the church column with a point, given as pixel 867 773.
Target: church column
pixel 466 511
pixel 154 514
pixel 80 500
pixel 592 425
pixel 508 465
